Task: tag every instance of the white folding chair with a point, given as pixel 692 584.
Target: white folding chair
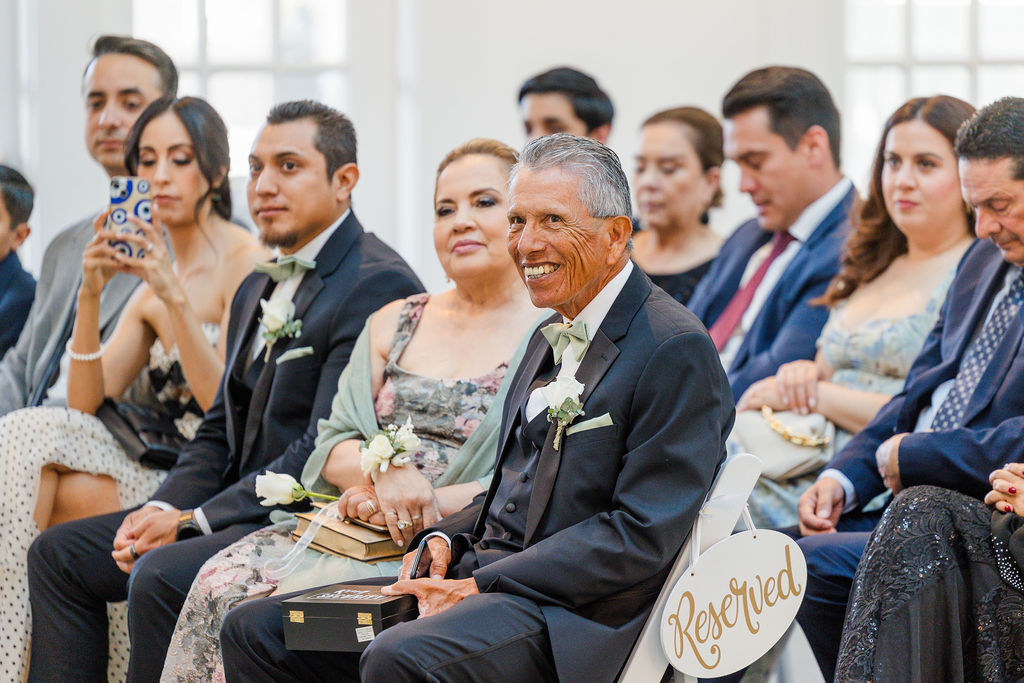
pixel 717 519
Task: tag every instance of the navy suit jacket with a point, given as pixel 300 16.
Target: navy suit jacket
pixel 275 429
pixel 787 327
pixel 962 458
pixel 17 289
pixel 610 509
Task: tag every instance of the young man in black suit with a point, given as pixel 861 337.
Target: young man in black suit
pixel 276 386
pixel 552 573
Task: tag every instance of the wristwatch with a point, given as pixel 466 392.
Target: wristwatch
pixel 188 527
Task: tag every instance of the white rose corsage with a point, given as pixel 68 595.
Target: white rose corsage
pixel 563 397
pixel 278 322
pixel 388 447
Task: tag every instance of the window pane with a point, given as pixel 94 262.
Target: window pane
pixel 940 28
pixel 243 100
pixel 999 81
pixel 999 29
pixel 171 24
pixel 188 84
pixel 313 31
pixel 874 29
pixel 872 94
pixel 329 87
pixel 926 81
pixel 239 31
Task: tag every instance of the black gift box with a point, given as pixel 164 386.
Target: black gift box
pixel 342 617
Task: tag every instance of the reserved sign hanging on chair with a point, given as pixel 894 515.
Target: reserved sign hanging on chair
pixel 733 603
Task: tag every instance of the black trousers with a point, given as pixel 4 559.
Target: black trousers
pixel 487 637
pixel 72 577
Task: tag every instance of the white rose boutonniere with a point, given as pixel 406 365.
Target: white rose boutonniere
pixel 282 489
pixel 386 448
pixel 563 397
pixel 278 321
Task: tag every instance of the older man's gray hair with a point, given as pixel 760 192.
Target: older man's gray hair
pixel 604 189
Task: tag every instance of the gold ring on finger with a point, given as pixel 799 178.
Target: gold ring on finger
pixel 417 518
pixel 403 524
pixel 371 509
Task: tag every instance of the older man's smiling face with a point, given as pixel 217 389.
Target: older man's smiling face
pixel 565 255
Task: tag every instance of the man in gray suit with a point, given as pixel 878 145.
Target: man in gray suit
pixel 123 76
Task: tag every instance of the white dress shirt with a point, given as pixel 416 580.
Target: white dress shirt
pixel 802 229
pixel 593 314
pixel 939 394
pixel 283 289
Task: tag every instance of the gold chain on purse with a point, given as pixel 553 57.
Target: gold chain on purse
pixel 788 434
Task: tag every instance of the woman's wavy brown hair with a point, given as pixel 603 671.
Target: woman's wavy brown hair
pixel 876 241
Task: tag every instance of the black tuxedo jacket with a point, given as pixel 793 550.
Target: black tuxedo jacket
pixel 275 429
pixel 610 509
pixel 993 423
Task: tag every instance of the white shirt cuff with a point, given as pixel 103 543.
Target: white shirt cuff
pixel 848 490
pixel 159 504
pixel 200 517
pixel 441 534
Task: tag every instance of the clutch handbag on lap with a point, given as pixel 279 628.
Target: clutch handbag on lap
pixel 342 617
pixel 788 443
pixel 148 436
pixel 349 539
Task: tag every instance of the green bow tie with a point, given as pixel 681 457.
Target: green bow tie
pixel 285 267
pixel 561 335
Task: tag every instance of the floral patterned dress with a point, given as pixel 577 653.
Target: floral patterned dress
pixel 444 412
pixel 874 356
pixel 33 438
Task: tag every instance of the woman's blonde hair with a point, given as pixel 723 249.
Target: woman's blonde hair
pixel 485 146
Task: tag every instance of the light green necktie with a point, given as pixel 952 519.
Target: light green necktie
pixel 561 335
pixel 285 267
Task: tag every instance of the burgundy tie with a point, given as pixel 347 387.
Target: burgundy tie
pixel 726 324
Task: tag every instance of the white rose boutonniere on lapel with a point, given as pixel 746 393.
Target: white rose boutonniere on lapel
pixel 278 321
pixel 563 397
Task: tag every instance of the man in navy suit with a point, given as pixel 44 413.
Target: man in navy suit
pixel 17 286
pixel 961 413
pixel 275 388
pixel 782 129
pixel 552 574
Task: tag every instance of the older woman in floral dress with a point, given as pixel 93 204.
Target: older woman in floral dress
pixel 438 360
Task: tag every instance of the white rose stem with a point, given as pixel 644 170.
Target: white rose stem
pixel 278 569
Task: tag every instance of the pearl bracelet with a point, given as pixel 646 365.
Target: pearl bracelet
pixel 84 357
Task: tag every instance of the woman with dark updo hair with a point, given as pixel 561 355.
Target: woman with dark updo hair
pixel 678 169
pixel 62 463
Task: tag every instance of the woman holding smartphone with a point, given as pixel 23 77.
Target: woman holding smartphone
pixel 61 464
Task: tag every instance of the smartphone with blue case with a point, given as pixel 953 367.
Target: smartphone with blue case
pixel 129 196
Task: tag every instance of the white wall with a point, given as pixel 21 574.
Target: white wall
pixel 471 56
pixel 425 77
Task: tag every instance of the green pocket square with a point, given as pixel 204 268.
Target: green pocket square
pixel 593 423
pixel 292 354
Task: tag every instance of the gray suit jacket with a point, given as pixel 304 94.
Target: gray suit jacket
pixel 23 365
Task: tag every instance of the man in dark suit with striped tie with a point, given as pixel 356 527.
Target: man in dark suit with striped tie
pixel 961 413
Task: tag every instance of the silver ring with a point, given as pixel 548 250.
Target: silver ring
pixel 416 518
pixel 133 552
pixel 403 524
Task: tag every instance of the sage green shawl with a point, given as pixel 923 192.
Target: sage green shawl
pixel 353 417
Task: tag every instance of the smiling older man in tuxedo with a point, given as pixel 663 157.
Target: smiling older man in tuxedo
pixel 564 555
